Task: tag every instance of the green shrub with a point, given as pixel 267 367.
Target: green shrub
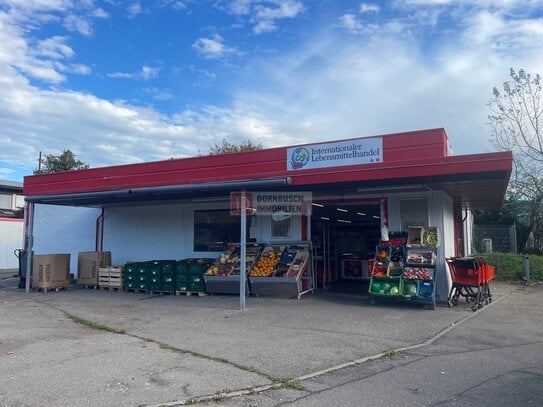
pixel 509 266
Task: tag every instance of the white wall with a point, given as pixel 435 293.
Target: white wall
pixel 11 238
pixel 65 229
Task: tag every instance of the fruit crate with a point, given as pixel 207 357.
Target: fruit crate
pixel 420 256
pixel 409 289
pixel 382 253
pixel 425 291
pixel 386 287
pixel 418 273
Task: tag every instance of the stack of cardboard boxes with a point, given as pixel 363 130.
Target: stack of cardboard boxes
pixel 51 271
pixel 88 264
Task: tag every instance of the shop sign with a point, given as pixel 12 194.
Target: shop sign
pixel 270 203
pixel 352 152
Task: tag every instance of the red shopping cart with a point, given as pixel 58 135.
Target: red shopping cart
pixel 470 279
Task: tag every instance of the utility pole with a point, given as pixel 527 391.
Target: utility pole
pixel 39 164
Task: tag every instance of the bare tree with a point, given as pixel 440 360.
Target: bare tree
pixel 517 125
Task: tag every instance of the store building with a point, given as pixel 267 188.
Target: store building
pixel 181 208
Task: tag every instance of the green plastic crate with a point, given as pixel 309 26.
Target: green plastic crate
pixel 198 287
pixel 181 286
pixel 130 268
pixel 182 267
pixel 182 278
pixel 169 266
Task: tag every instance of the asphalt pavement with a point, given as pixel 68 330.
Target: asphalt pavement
pixel 101 348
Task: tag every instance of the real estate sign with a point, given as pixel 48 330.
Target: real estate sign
pixel 269 203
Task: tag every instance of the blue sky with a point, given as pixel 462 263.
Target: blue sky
pixel 131 81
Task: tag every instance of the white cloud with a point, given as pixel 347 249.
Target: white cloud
pixel 213 48
pixel 54 48
pixel 145 73
pixel 133 10
pixel 100 13
pixel 78 24
pixel 149 72
pixel 368 8
pixel 351 23
pixel 265 16
pixel 240 7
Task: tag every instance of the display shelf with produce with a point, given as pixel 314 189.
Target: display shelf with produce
pixel 288 274
pixel 223 276
pixel 409 279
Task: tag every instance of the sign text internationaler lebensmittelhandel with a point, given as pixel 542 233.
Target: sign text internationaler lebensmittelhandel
pixel 351 152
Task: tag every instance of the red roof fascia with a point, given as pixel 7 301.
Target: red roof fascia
pixel 452 165
pixel 400 150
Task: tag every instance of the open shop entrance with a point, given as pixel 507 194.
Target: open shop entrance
pixel 345 234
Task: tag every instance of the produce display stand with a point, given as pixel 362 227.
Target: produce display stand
pixel 405 273
pixel 471 278
pixel 292 277
pixel 222 277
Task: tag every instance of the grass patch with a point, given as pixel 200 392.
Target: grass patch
pixel 95 325
pixel 286 383
pixel 509 266
pixel 392 354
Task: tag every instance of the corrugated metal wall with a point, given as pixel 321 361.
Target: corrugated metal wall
pixel 147 233
pixel 64 229
pixel 11 238
pixel 166 232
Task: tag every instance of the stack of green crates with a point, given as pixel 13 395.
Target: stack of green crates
pixel 181 279
pixel 154 270
pixel 130 275
pixel 167 276
pixel 189 275
pixel 196 275
pixel 136 276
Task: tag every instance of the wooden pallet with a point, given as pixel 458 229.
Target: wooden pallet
pixel 136 290
pixel 87 286
pixel 188 293
pixel 111 288
pixel 49 289
pixel 159 292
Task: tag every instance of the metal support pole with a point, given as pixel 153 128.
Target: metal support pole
pixel 30 246
pixel 526 268
pixel 243 253
pixel 310 247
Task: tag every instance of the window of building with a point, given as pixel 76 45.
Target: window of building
pixel 413 212
pixel 213 229
pixel 5 201
pixel 281 228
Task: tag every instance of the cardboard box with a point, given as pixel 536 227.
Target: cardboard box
pixel 51 270
pixel 88 264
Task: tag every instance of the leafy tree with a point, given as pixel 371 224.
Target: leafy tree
pixel 227 147
pixel 59 163
pixel 517 125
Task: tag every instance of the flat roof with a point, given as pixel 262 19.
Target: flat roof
pixel 409 160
